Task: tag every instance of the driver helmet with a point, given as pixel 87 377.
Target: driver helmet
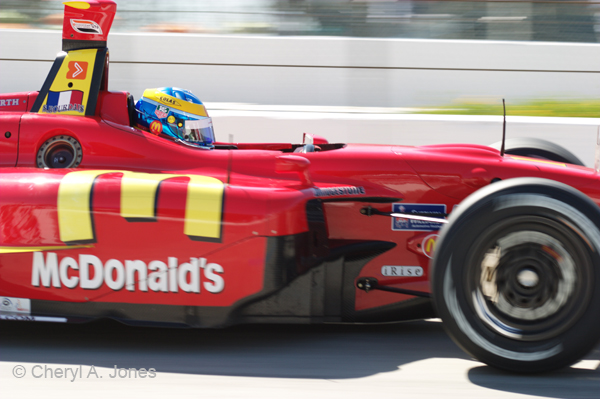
pixel 176 113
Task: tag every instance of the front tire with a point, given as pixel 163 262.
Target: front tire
pixel 516 275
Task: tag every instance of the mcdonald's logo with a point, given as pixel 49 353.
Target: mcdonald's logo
pixel 428 245
pixel 203 209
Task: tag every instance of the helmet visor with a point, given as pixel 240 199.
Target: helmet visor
pixel 199 131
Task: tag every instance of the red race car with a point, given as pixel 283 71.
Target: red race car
pixel 134 212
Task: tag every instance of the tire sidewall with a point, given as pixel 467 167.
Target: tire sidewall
pixel 466 224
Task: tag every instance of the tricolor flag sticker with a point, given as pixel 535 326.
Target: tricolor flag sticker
pixel 64 101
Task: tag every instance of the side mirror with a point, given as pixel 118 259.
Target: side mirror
pixel 294 163
pixel 314 139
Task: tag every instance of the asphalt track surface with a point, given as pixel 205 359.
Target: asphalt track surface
pixel 412 360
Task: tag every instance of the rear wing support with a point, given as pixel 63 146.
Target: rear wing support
pixel 80 71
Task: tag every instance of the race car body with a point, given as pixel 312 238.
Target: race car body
pixel 99 218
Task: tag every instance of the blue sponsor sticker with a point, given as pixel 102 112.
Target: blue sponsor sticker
pixel 400 224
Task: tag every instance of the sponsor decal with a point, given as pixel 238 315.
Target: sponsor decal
pixel 86 26
pixel 161 111
pixel 339 191
pixel 203 206
pixel 169 100
pixel 156 127
pixel 9 103
pixel 90 273
pixel 400 224
pixel 402 271
pixel 15 305
pixel 428 245
pixel 64 101
pixel 77 70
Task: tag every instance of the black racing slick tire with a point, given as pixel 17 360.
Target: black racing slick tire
pixel 516 275
pixel 538 148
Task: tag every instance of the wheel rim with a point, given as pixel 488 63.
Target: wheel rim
pixel 530 278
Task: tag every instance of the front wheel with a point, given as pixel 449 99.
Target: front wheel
pixel 516 275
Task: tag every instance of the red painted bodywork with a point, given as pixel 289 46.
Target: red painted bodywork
pixel 267 188
pixel 101 13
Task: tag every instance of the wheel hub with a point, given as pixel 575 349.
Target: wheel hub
pixel 528 278
pixel 525 284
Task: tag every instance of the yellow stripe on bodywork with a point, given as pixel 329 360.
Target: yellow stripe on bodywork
pixel 203 206
pixel 16 250
pixel 138 194
pixel 81 5
pixel 203 209
pixel 74 213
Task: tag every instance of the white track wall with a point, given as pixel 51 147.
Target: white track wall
pixel 321 71
pixel 345 72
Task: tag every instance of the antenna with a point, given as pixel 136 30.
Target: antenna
pixel 597 157
pixel 229 160
pixel 503 128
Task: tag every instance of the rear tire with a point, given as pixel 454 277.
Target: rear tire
pixel 538 148
pixel 535 305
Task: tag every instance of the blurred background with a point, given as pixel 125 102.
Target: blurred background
pixel 365 70
pixel 552 20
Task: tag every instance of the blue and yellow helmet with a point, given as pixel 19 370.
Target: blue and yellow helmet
pixel 176 113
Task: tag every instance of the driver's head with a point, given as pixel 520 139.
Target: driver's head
pixel 176 113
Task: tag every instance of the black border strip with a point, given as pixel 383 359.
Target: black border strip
pixel 99 64
pixel 70 44
pixel 60 58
